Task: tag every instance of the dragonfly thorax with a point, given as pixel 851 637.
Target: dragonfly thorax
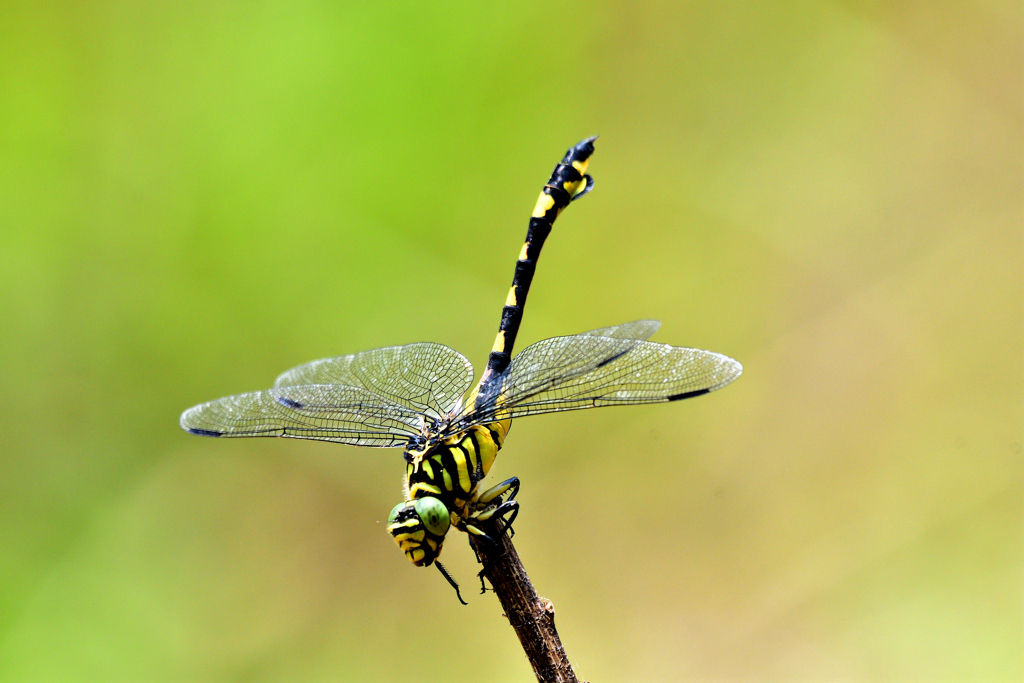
pixel 448 471
pixel 450 467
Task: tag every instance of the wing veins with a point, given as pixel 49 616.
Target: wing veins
pixel 585 371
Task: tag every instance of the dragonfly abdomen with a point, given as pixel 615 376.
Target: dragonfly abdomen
pixel 568 181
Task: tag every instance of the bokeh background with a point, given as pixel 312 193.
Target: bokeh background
pixel 196 196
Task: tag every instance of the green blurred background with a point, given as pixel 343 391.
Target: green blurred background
pixel 197 196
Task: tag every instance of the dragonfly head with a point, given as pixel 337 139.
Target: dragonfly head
pixel 418 527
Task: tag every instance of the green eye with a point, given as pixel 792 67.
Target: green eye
pixel 394 513
pixel 434 515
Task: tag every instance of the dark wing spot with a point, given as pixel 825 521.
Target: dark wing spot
pixel 688 394
pixel 288 403
pixel 204 432
pixel 620 354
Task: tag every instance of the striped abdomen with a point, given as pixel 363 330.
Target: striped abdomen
pixel 568 181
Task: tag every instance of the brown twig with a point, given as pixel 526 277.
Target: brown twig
pixel 532 617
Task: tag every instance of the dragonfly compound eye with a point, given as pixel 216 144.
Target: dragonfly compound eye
pixel 434 515
pixel 394 513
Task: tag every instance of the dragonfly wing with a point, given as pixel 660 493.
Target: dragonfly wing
pixel 342 414
pixel 426 378
pixel 638 329
pixel 587 371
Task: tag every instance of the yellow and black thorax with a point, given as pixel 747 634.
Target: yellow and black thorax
pixel 441 481
pixel 451 469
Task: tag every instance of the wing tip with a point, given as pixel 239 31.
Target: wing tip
pixel 185 423
pixel 735 370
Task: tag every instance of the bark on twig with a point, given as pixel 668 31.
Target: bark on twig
pixel 532 617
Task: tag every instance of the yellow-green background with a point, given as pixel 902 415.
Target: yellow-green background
pixel 196 196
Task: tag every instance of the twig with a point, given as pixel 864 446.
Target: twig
pixel 532 617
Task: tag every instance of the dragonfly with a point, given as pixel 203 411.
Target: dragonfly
pixel 417 397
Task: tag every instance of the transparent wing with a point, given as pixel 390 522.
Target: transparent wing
pixel 426 378
pixel 638 329
pixel 342 414
pixel 589 370
pixel 373 398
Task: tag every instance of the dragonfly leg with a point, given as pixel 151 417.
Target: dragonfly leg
pixel 506 508
pixel 506 512
pixel 493 504
pixel 479 533
pixel 490 494
pixel 448 577
pixel 497 502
